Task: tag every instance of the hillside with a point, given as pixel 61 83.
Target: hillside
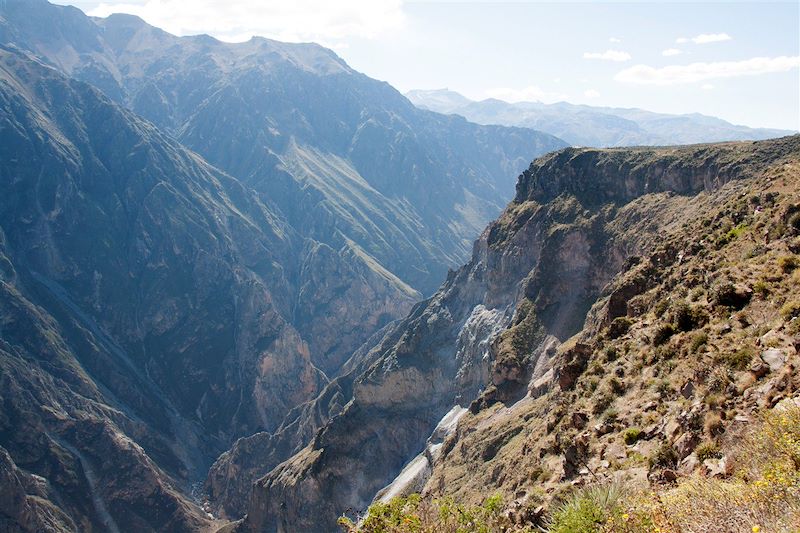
pixel 621 304
pixel 583 125
pixel 148 310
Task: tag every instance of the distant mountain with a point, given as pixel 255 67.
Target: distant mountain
pixel 583 125
pixel 347 159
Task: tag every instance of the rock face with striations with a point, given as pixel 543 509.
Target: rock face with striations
pixel 146 311
pixel 578 218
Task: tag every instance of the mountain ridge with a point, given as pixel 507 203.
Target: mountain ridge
pixel 585 125
pixel 505 322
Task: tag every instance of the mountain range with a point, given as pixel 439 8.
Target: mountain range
pixel 196 237
pixel 583 125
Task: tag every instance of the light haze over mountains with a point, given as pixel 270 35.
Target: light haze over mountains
pixel 584 125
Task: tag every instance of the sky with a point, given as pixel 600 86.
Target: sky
pixel 739 61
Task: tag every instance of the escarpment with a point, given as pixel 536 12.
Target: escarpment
pixel 500 335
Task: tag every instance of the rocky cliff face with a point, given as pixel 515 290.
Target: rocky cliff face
pixel 683 348
pixel 148 309
pixel 489 338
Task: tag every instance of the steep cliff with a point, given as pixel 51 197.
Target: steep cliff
pixel 498 334
pixel 148 309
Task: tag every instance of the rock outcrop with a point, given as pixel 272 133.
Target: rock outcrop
pixel 581 219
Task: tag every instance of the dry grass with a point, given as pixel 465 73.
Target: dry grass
pixel 764 492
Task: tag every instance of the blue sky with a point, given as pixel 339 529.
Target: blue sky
pixel 738 61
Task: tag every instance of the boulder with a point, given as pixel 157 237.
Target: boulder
pixel 774 359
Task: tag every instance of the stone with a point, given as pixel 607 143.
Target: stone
pixel 579 420
pixel 717 468
pixel 686 444
pixel 542 385
pixel 689 464
pixel 603 428
pixel 650 406
pixel 615 450
pixel 687 390
pixel 759 369
pixel 672 429
pixel 669 475
pixel 774 358
pixel 787 403
pixel 573 363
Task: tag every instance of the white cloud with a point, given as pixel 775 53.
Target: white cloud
pixel 614 40
pixel 286 20
pixel 527 94
pixel 706 86
pixel 705 38
pixel 591 93
pixel 671 52
pixel 694 72
pixel 608 55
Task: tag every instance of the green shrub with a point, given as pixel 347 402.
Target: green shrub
pixel 663 333
pixel 790 310
pixel 413 514
pixel 733 234
pixel 602 400
pixel 726 294
pixel 616 385
pixel 707 450
pixel 631 435
pixel 619 327
pixel 610 415
pixel 788 263
pixel 740 359
pixel 761 288
pixel 794 221
pixel 587 510
pixel 663 387
pixel 611 354
pixel 661 307
pixel 665 456
pixel 698 341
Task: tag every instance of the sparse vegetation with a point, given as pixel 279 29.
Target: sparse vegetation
pixel 739 359
pixel 631 435
pixel 788 263
pixel 707 450
pixel 662 334
pixel 678 375
pixel 414 514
